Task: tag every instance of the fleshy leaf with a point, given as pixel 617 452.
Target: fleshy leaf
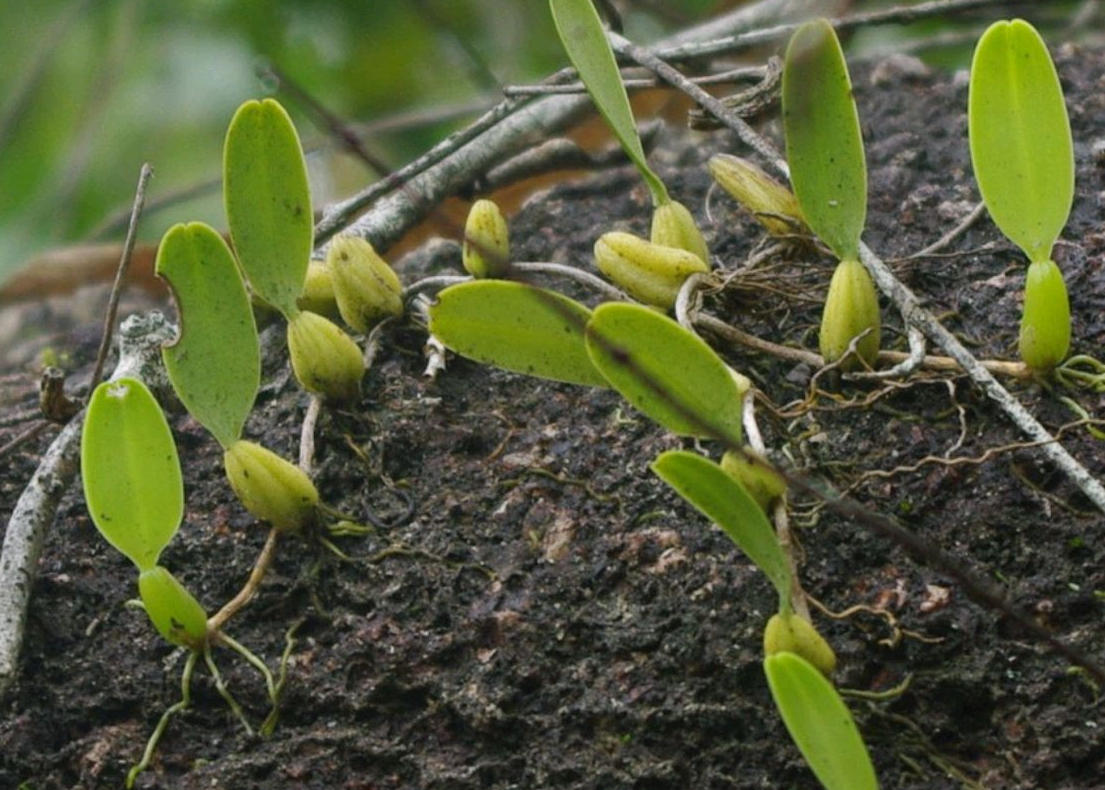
pixel 516 327
pixel 724 501
pixel 1020 137
pixel 584 39
pixel 215 365
pixel 268 202
pixel 671 375
pixel 824 143
pixel 132 480
pixel 820 723
pixel 174 611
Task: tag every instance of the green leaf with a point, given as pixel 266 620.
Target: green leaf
pixel 820 723
pixel 671 375
pixel 516 327
pixel 174 611
pixel 1020 137
pixel 724 501
pixel 824 144
pixel 215 365
pixel 581 33
pixel 132 481
pixel 268 202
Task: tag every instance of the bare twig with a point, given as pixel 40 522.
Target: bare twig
pixel 944 241
pixel 26 435
pixel 139 348
pixel 560 153
pixel 726 77
pixel 714 105
pixel 727 44
pixel 506 129
pixel 346 136
pixel 916 315
pixel 117 287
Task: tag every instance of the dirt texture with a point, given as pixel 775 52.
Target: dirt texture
pixel 540 611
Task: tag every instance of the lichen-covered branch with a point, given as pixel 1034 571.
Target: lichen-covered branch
pixel 140 341
pixel 500 133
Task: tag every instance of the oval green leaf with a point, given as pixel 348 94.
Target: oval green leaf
pixel 174 611
pixel 131 473
pixel 215 364
pixel 581 33
pixel 671 375
pixel 824 143
pixel 819 723
pixel 268 201
pixel 516 327
pixel 724 501
pixel 1020 137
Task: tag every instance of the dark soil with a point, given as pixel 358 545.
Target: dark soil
pixel 559 619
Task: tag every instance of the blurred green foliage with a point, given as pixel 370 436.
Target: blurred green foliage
pixel 91 89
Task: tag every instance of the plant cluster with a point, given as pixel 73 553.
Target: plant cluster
pixel 129 462
pixel 1021 149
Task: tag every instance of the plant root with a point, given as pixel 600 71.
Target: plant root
pixel 163 722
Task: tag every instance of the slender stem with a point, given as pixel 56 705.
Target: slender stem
pixel 163 722
pixel 779 511
pixel 435 283
pixel 572 273
pixel 915 360
pixel 264 561
pixel 727 332
pixel 117 287
pixel 687 301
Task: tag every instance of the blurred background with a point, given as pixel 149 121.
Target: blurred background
pixel 91 89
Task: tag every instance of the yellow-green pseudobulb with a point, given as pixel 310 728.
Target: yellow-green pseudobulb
pixel 851 308
pixel 764 485
pixel 325 359
pixel 673 226
pixel 366 287
pixel 788 632
pixel 1045 324
pixel 771 203
pixel 174 612
pixel 269 487
pixel 486 249
pixel 648 272
pixel 318 291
